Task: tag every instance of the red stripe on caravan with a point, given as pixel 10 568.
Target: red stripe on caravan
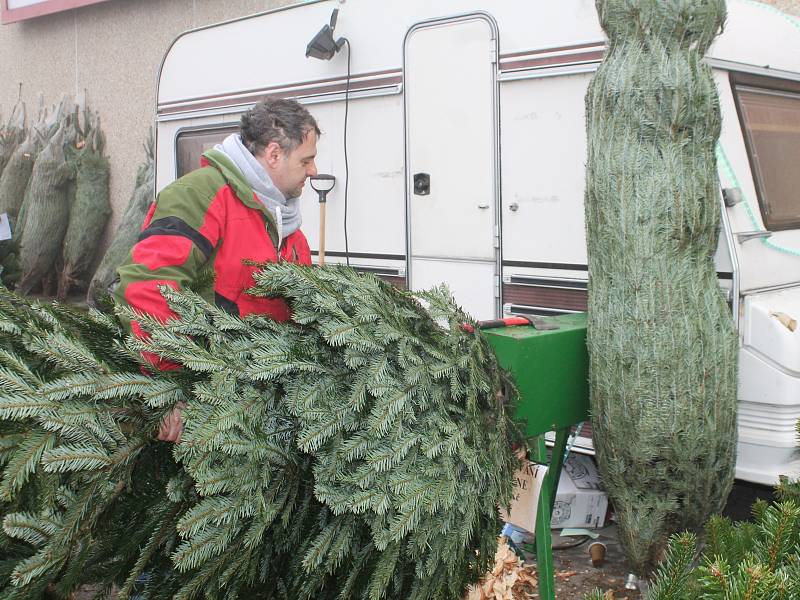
pixel 282 92
pixel 265 90
pixel 551 50
pixel 552 61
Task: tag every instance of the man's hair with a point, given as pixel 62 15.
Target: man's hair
pixel 276 120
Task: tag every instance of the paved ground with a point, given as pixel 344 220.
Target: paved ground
pixel 575 575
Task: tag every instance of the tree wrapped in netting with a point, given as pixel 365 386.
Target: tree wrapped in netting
pixel 15 177
pixel 18 193
pixel 90 210
pixel 12 132
pixel 14 183
pixel 359 450
pixel 46 213
pixel 661 340
pixel 127 231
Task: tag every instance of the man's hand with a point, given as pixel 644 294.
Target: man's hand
pixel 172 426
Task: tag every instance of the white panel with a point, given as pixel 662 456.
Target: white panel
pixel 12 4
pixel 765 464
pixel 450 119
pixel 450 88
pixel 542 129
pixel 270 49
pixel 767 335
pixel 472 284
pixel 770 393
pixel 376 194
pixel 758 34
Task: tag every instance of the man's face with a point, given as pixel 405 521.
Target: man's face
pixel 289 170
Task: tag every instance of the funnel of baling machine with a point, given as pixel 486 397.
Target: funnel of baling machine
pixel 549 362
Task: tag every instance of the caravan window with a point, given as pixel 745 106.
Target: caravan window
pixel 769 110
pixel 190 145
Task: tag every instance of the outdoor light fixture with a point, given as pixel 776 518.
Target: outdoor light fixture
pixel 322 45
pixel 322 183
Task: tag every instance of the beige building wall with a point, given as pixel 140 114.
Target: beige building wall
pixel 112 51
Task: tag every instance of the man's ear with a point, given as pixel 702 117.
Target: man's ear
pixel 272 154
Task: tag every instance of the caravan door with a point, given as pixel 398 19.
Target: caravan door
pixel 452 160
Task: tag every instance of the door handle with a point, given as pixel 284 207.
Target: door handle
pixel 483 206
pixel 422 184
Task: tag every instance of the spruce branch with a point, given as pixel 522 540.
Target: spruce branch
pixel 304 469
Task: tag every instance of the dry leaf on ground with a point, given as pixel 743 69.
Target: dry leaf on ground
pixel 509 579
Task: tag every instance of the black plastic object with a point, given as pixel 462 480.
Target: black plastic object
pixel 422 184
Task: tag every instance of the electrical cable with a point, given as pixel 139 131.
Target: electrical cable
pixel 346 164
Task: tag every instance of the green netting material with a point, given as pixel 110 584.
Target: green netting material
pixel 661 339
pixel 12 133
pixel 90 211
pixel 46 211
pixel 127 231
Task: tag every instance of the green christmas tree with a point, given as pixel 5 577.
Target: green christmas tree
pixel 358 451
pixel 661 340
pixel 748 560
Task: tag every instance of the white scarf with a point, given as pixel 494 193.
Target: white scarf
pixel 286 212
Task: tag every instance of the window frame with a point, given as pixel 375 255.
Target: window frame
pixel 198 129
pixel 772 84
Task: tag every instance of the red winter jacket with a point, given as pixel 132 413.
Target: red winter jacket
pixel 208 219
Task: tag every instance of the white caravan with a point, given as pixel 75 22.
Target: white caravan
pixel 465 153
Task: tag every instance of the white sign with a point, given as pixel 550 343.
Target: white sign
pixel 20 10
pixel 5 227
pixel 12 4
pixel 527 488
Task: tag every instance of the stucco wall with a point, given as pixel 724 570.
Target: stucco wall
pixel 112 50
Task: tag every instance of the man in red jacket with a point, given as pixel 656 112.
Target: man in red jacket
pixel 243 203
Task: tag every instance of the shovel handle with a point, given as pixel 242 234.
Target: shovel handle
pixel 322 233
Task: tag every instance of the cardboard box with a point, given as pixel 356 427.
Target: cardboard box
pixel 527 486
pixel 580 501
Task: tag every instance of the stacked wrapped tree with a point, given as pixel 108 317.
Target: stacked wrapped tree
pixel 12 133
pixel 661 341
pixel 91 208
pixel 46 211
pixel 127 231
pixel 17 190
